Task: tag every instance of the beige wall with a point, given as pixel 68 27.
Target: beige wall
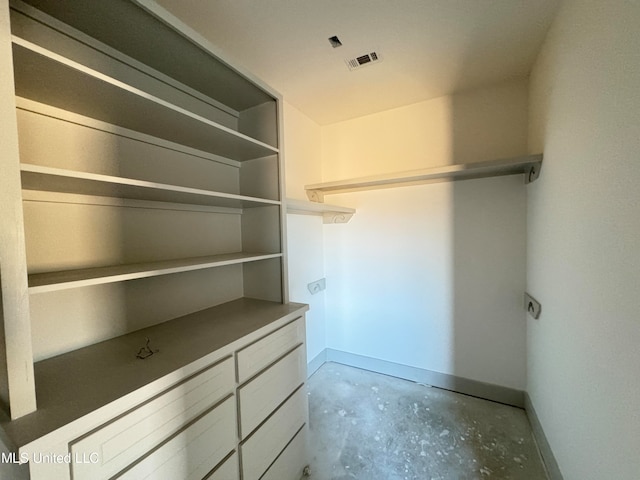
pixel 302 149
pixel 584 240
pixel 432 276
pixel 304 232
pixel 472 126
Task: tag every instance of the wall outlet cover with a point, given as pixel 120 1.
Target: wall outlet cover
pixel 317 286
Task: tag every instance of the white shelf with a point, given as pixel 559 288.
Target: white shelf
pixel 329 213
pixel 52 281
pixel 49 179
pixel 529 165
pixel 77 88
pixel 31 106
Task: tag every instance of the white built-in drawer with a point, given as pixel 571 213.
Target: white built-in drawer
pixel 192 453
pixel 258 355
pixel 263 394
pixel 229 470
pixel 262 448
pixel 121 442
pixel 290 464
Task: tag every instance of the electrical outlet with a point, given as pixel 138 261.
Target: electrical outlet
pixel 317 286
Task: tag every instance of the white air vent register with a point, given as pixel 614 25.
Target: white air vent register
pixel 363 60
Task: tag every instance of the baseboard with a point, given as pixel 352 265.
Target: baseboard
pixel 316 362
pixel 487 391
pixel 549 459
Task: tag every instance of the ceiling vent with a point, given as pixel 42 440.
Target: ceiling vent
pixel 363 60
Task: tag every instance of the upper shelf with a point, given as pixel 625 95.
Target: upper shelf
pixel 49 179
pixel 330 213
pixel 52 79
pixel 146 32
pixel 529 165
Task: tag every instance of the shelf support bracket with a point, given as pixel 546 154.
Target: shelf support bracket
pixel 316 196
pixel 336 217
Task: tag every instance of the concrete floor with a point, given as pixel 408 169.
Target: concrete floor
pixel 374 427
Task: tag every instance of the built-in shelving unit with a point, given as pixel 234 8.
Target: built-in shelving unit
pixel 329 213
pixel 150 179
pixel 528 165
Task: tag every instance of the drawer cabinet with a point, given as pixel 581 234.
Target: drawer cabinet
pixel 121 442
pixel 229 470
pixel 291 462
pixel 192 453
pixel 263 394
pixel 266 350
pixel 204 424
pixel 260 450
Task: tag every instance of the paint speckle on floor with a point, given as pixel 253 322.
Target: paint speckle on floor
pixel 485 471
pixel 404 431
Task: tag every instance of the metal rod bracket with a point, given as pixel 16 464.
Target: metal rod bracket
pixel 532 306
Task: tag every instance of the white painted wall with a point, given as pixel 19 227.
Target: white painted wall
pixel 584 240
pixel 432 276
pixel 304 232
pixel 306 264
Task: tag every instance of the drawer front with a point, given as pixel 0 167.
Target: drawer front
pixel 262 448
pixel 123 441
pixel 290 464
pixel 193 452
pixel 258 355
pixel 263 394
pixel 229 470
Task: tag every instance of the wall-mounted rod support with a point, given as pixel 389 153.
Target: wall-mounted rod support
pixel 532 306
pixel 529 165
pixel 532 172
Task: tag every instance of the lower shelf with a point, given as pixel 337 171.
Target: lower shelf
pixel 50 281
pixel 74 384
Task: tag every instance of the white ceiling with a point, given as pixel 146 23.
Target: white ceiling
pixel 429 48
